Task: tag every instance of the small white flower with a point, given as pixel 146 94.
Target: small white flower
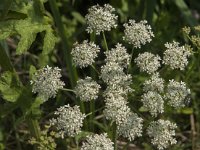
pixel 162 133
pixel 101 19
pixel 177 94
pixel 148 62
pixel 87 89
pixel 84 54
pixel 118 55
pixel 137 34
pixel 131 127
pixel 153 102
pixel 97 142
pixel 46 82
pixel 155 83
pixel 69 120
pixel 176 56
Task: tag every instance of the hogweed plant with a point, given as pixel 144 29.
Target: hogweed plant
pixel 111 86
pixel 113 76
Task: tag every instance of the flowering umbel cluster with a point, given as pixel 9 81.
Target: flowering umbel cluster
pixel 176 56
pixel 87 89
pixel 118 55
pixel 137 34
pixel 148 62
pixel 101 19
pixel 117 84
pixel 84 54
pixel 69 120
pixel 177 94
pixel 162 133
pixel 97 142
pixel 46 82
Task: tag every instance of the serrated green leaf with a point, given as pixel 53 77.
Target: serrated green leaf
pixel 10 87
pixel 28 31
pixel 49 41
pixel 29 27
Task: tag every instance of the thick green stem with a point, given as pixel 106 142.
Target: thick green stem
pixel 34 128
pixel 69 90
pixel 105 42
pixel 114 135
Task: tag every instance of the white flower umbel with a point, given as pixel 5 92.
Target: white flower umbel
pixel 131 127
pixel 118 90
pixel 176 56
pixel 155 83
pixel 97 142
pixel 69 120
pixel 148 62
pixel 46 82
pixel 118 55
pixel 112 74
pixel 162 133
pixel 137 34
pixel 177 93
pixel 87 89
pixel 116 109
pixel 84 54
pixel 153 102
pixel 101 19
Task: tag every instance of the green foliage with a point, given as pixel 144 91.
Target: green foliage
pixel 10 87
pixel 28 28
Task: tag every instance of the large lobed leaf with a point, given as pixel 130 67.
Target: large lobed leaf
pixel 28 28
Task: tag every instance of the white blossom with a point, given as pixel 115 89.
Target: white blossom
pixel 153 102
pixel 118 55
pixel 162 133
pixel 84 54
pixel 116 108
pixel 176 56
pixel 69 120
pixel 137 34
pixel 101 19
pixel 155 83
pixel 131 127
pixel 97 142
pixel 46 82
pixel 112 74
pixel 177 94
pixel 87 89
pixel 148 62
